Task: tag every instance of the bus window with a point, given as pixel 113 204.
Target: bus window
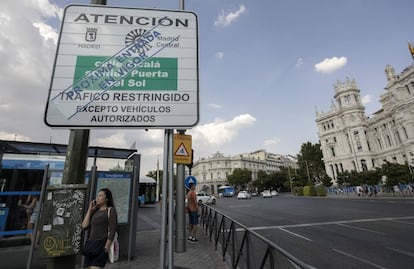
pixel 226 191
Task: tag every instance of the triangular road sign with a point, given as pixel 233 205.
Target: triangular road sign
pixel 181 151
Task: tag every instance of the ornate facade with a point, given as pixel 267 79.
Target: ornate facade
pixel 212 172
pixel 352 141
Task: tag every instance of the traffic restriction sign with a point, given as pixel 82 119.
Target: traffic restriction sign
pixel 182 149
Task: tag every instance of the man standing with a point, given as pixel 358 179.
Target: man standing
pixel 192 213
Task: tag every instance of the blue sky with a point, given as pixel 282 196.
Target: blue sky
pixel 265 68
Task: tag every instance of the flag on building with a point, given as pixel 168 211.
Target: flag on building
pixel 411 48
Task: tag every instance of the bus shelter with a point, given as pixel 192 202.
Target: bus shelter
pixel 22 170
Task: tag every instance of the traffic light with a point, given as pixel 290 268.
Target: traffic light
pixel 190 165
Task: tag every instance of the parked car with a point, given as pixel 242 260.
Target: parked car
pixel 266 194
pixel 244 195
pixel 205 198
pixel 254 194
pixel 274 193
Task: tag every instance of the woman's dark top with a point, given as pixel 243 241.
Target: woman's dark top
pixel 99 224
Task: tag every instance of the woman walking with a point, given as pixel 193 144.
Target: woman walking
pixel 101 221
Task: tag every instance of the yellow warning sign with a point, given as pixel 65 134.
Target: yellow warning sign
pixel 182 149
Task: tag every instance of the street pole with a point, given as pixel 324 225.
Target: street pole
pixel 180 208
pixel 290 181
pixel 73 173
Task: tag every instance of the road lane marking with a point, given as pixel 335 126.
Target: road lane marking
pixel 328 223
pixel 239 206
pixel 403 252
pixel 295 234
pixel 359 259
pixel 359 228
pixel 404 222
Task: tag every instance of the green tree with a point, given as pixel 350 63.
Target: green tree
pixel 370 177
pixel 240 177
pixel 278 179
pixel 395 173
pixel 311 165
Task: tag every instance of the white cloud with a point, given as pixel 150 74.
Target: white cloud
pixel 330 65
pixel 12 137
pixel 299 62
pixel 47 32
pixel 225 19
pixel 366 99
pixel 216 106
pixel 220 132
pixel 27 52
pixel 116 140
pixel 220 55
pixel 272 142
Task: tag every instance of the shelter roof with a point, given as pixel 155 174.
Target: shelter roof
pixel 22 147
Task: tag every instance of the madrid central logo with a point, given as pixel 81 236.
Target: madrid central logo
pixel 134 37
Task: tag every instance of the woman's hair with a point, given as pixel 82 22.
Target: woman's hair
pixel 110 199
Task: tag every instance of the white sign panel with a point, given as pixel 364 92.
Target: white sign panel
pixel 125 67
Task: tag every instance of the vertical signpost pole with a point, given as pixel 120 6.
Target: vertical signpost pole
pixel 73 173
pixel 171 198
pixel 180 206
pixel 164 201
pixel 180 213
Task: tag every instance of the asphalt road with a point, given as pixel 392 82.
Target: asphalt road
pixel 331 232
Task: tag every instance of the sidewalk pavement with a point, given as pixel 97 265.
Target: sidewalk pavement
pixel 408 196
pixel 201 255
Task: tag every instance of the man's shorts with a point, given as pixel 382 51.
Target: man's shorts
pixel 193 217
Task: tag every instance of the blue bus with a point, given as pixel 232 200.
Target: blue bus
pixel 226 191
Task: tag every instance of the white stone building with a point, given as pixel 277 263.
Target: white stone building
pixel 212 172
pixel 352 141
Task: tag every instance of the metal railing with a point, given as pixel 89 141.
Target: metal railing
pixel 243 248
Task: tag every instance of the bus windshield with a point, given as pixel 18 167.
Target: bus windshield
pixel 226 191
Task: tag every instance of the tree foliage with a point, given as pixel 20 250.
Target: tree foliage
pixel 311 165
pixel 396 173
pixel 240 177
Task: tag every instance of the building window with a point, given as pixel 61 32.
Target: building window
pixel 347 99
pixel 359 146
pixel 397 135
pixel 389 140
pixel 405 132
pixel 333 152
pixel 349 143
pixel 364 165
pixel 335 139
pixel 342 167
pixel 379 143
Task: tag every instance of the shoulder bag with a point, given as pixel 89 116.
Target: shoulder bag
pixel 113 251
